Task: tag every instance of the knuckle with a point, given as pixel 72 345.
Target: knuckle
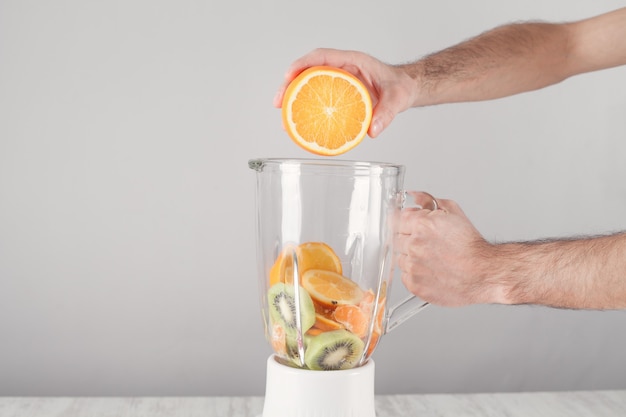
pixel 449 204
pixel 413 285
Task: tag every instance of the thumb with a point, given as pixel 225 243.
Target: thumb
pixel 382 117
pixel 390 102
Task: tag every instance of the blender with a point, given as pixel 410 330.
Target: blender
pixel 324 231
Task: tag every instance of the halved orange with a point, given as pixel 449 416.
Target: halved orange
pixel 310 255
pixel 326 110
pixel 330 288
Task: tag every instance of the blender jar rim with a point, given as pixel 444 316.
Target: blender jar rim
pixel 259 164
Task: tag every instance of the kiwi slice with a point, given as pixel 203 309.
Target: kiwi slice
pixel 281 298
pixel 334 350
pixel 293 353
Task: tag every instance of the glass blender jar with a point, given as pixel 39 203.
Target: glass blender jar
pixel 325 265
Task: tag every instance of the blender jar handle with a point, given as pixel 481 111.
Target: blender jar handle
pixel 402 311
pixel 411 305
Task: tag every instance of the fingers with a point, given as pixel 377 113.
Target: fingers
pixel 423 200
pixel 410 271
pixel 325 56
pixel 348 60
pixel 436 250
pixel 411 221
pixel 389 87
pixel 421 212
pixel 406 245
pixel 278 98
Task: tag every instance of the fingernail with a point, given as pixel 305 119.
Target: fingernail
pixel 376 127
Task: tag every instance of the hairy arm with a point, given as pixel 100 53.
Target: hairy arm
pixel 518 57
pixel 504 61
pixel 579 273
pixel 445 260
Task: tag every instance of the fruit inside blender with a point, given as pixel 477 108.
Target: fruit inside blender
pixel 341 323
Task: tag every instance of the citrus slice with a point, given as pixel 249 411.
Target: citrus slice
pixel 326 110
pixel 326 324
pixel 314 331
pixel 282 270
pixel 373 342
pixel 330 288
pixel 317 255
pixel 278 339
pixel 310 255
pixel 378 328
pixel 354 318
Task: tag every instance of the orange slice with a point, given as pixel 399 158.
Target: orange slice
pixel 378 324
pixel 378 328
pixel 367 302
pixel 373 343
pixel 326 324
pixel 314 331
pixel 317 255
pixel 354 318
pixel 310 255
pixel 282 270
pixel 367 305
pixel 330 288
pixel 326 110
pixel 278 339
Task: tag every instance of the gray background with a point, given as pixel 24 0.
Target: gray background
pixel 127 257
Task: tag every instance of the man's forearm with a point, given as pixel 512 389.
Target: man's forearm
pixel 579 273
pixel 504 61
pixel 519 57
pixel 599 42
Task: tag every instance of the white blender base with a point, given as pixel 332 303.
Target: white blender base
pixel 295 392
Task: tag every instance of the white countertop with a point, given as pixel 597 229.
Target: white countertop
pixel 539 404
